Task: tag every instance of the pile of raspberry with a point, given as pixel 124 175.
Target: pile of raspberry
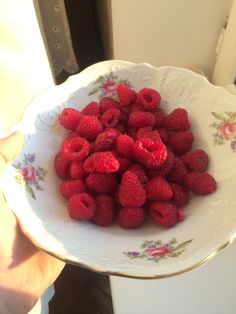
pixel 126 160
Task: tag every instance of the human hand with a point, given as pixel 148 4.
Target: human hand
pixel 25 271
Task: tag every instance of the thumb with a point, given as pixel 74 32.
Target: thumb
pixel 10 147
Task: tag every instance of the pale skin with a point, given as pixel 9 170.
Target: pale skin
pixel 25 271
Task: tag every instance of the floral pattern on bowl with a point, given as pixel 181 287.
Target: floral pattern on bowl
pixel 156 250
pixel 105 85
pixel 29 175
pixel 225 128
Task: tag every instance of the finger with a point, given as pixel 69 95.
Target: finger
pixel 10 147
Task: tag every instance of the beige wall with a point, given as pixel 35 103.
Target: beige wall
pixel 168 32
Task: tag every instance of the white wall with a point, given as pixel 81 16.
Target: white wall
pixel 168 32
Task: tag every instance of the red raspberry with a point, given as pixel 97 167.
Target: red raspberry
pixel 197 160
pixel 70 187
pixel 103 162
pixel 91 109
pixel 158 189
pixel 69 118
pixel 151 154
pixel 126 95
pixel 140 119
pixel 181 142
pixel 178 172
pixel 159 115
pixel 124 164
pixel 200 183
pixel 101 182
pixel 89 127
pixel 124 118
pixel 61 166
pixel 140 173
pixel 108 103
pixel 72 134
pixel 131 193
pixel 124 146
pixel 75 149
pixel 148 98
pixel 136 107
pixel 147 132
pixel 180 195
pixel 177 120
pixel 106 140
pixel 131 218
pixel 111 117
pixel 164 135
pixel 77 170
pixel 164 214
pixel 132 132
pixel 121 128
pixel 81 206
pixel 104 215
pixel 165 168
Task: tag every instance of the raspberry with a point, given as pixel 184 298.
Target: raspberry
pixel 91 109
pixel 140 173
pixel 75 149
pixel 121 128
pixel 178 172
pixel 101 182
pixel 159 117
pixel 106 140
pixel 124 146
pixel 108 103
pixel 124 118
pixel 103 162
pixel 148 98
pixel 89 127
pixel 132 132
pixel 77 170
pixel 158 189
pixel 61 166
pixel 164 135
pixel 200 183
pixel 165 168
pixel 124 164
pixel 81 206
pixel 140 119
pixel 196 160
pixel 104 215
pixel 181 142
pixel 177 120
pixel 180 195
pixel 69 118
pixel 111 117
pixel 70 187
pixel 131 218
pixel 164 214
pixel 126 95
pixel 131 193
pixel 136 107
pixel 72 134
pixel 147 132
pixel 149 153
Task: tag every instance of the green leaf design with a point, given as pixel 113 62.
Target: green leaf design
pixel 218 116
pixel 182 245
pixel 30 190
pixel 94 90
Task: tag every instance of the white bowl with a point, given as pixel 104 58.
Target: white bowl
pixel 149 252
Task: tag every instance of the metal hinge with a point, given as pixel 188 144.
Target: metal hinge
pixel 56 35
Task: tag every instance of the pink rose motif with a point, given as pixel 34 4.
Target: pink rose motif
pixel 226 130
pixel 160 250
pixel 28 173
pixel 109 87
